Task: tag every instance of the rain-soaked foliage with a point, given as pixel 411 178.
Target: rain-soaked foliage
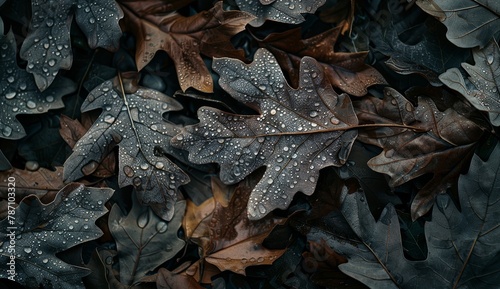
pixel 249 144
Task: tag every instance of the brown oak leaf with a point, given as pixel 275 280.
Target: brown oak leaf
pixel 185 39
pixel 345 70
pixel 443 148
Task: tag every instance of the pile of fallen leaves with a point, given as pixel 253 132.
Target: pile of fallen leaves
pixel 249 144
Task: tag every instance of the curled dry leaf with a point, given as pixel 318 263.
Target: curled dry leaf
pixel 462 252
pixel 470 23
pixel 42 230
pixel 131 119
pixel 18 91
pixel 228 239
pixel 482 86
pixel 289 11
pixel 345 70
pixel 143 240
pixel 185 39
pixel 47 48
pixel 297 132
pixel 442 149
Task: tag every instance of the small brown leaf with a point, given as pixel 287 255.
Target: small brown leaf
pixel 39 182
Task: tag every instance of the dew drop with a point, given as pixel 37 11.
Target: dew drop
pixel 32 165
pixel 220 140
pixel 109 119
pixel 389 153
pixel 270 181
pixel 90 168
pixel 262 209
pixel 409 107
pixel 27 250
pixel 10 95
pixel 260 259
pixel 273 111
pixel 161 227
pixel 129 172
pixel 159 165
pixel 49 98
pixel 49 22
pixel 334 120
pixel 490 58
pixel 91 20
pixel 144 166
pixel 312 179
pixel 313 113
pixel 45 261
pixel 51 62
pixel 262 87
pixel 143 220
pixel 179 137
pixel 11 79
pixel 71 227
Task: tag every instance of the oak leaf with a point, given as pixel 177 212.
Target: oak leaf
pixel 228 239
pixel 47 48
pixel 345 70
pixel 18 91
pixel 131 119
pixel 185 38
pixel 442 148
pixel 42 230
pixel 39 182
pixel 143 240
pixel 461 250
pixel 297 132
pixel 482 86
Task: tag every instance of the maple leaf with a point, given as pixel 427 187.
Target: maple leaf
pixel 441 149
pixel 131 119
pixel 144 241
pixel 228 239
pixel 461 250
pixel 185 38
pixel 481 87
pixel 47 48
pixel 289 11
pixel 297 132
pixel 470 23
pixel 18 92
pixel 42 230
pixel 37 182
pixel 345 70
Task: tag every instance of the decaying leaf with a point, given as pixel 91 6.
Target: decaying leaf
pixel 71 131
pixel 228 239
pixel 442 149
pixel 482 85
pixel 345 70
pixel 133 121
pixel 18 92
pixel 286 11
pixel 185 38
pixel 42 230
pixel 297 132
pixel 339 11
pixel 462 249
pixel 143 240
pixel 470 23
pixel 37 182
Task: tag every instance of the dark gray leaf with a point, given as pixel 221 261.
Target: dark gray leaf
pixel 134 122
pixel 144 241
pixel 19 94
pixel 47 48
pixel 42 230
pixel 286 11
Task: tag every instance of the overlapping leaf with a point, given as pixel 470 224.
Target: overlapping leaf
pixel 441 149
pixel 462 249
pixel 143 240
pixel 297 132
pixel 481 88
pixel 18 92
pixel 185 38
pixel 286 11
pixel 470 23
pixel 347 71
pixel 37 182
pixel 42 230
pixel 133 121
pixel 228 239
pixel 47 48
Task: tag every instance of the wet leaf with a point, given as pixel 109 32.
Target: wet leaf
pixel 37 182
pixel 289 11
pixel 442 149
pixel 339 11
pixel 169 280
pixel 143 240
pixel 18 92
pixel 297 132
pixel 345 70
pixel 42 230
pixel 228 239
pixel 185 39
pixel 481 87
pixel 133 121
pixel 470 23
pixel 47 48
pixel 462 253
pixel 71 131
